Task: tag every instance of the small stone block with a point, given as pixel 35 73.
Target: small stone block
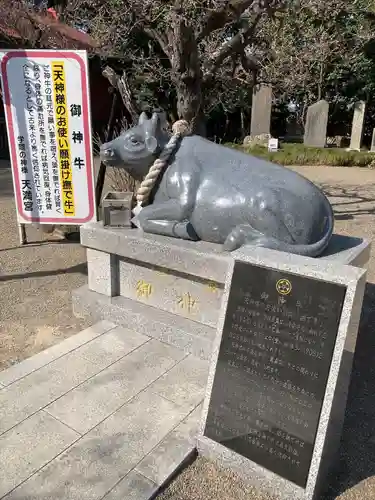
pixel 117 209
pixel 134 486
pixel 29 446
pixel 48 355
pixel 103 273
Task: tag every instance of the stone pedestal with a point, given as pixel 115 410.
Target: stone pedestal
pixel 169 289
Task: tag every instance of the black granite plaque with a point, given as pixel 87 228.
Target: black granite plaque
pixel 277 344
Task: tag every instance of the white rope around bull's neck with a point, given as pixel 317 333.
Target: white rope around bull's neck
pixel 180 129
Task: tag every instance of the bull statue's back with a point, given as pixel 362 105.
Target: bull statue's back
pixel 209 192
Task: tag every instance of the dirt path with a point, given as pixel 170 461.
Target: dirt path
pixel 352 194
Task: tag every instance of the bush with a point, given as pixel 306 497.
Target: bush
pixel 298 154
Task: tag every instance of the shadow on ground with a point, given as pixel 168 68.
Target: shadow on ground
pixel 6 183
pixel 79 268
pixel 351 201
pixel 70 238
pixel 357 452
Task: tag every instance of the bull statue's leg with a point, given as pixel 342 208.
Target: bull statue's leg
pixel 169 219
pixel 241 235
pixel 172 217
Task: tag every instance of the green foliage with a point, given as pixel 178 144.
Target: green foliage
pixel 297 154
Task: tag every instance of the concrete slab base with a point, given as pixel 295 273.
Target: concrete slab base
pixel 170 289
pixel 190 336
pixel 109 414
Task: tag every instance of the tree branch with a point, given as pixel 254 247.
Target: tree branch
pixel 219 18
pixel 160 38
pixel 121 84
pixel 236 44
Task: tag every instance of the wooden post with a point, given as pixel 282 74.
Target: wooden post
pixel 22 234
pixel 102 168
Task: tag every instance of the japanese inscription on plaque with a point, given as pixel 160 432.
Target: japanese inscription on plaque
pixel 46 103
pixel 274 359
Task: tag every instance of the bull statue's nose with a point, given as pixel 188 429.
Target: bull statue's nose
pixel 107 152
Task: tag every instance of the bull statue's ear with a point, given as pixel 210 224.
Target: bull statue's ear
pixel 151 144
pixel 142 119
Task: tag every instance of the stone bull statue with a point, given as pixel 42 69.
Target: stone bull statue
pixel 210 192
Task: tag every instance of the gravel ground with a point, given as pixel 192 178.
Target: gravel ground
pixel 352 193
pixel 36 283
pixel 203 481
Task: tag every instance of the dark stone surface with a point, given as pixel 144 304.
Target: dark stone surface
pixel 273 365
pixel 222 195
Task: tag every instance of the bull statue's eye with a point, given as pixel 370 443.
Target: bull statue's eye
pixel 134 140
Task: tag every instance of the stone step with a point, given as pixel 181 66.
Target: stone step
pixel 109 415
pixel 192 337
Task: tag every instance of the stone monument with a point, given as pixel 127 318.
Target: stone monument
pixel 261 110
pixel 373 141
pixel 280 370
pixel 195 189
pixel 316 125
pixel 357 126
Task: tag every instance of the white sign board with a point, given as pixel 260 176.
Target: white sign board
pixel 46 98
pixel 273 145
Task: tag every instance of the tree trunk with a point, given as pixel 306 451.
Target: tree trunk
pixel 189 100
pixel 187 74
